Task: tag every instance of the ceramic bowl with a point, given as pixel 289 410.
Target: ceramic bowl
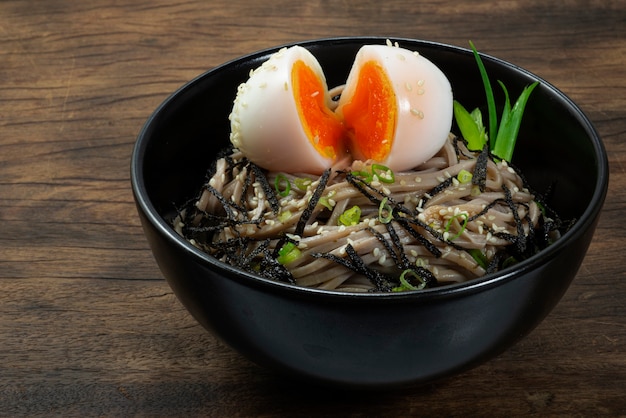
pixel 368 340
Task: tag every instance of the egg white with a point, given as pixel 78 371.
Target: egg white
pixel 423 100
pixel 265 124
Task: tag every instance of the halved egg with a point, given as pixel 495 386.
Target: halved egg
pixel 396 107
pixel 281 118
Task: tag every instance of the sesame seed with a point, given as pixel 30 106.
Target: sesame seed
pixel 408 86
pixel 420 83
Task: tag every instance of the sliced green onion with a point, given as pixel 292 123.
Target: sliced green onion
pixel 384 173
pixel 479 257
pixel 365 175
pixel 302 183
pixel 327 201
pixel 406 285
pixel 385 211
pixel 471 130
pixel 288 252
pixel 464 176
pixel 491 103
pixel 282 185
pixel 510 261
pixel 510 123
pixel 284 215
pixel 463 225
pixel 350 216
pixel 420 262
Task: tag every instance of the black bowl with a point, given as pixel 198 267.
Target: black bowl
pixel 368 340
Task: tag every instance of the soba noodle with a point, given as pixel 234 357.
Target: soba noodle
pixel 458 216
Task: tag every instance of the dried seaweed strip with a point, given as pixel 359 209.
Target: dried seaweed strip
pixel 496 262
pixel 271 269
pixel 355 263
pixel 438 189
pixel 226 203
pixel 260 249
pixel 362 187
pixel 479 178
pixel 457 149
pixel 520 242
pixel 315 197
pixel 388 246
pixel 407 225
pixel 379 280
pixel 267 189
pixel 402 261
pixel 484 211
pixel 429 278
pixel 247 183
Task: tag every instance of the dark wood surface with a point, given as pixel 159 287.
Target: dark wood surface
pixel 88 326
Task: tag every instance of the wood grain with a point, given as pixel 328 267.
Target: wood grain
pixel 88 326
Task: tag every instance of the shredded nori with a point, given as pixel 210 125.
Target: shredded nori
pixel 256 257
pixel 479 178
pixel 380 281
pixel 267 189
pixel 317 194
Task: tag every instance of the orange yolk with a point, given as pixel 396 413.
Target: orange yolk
pixel 371 114
pixel 320 124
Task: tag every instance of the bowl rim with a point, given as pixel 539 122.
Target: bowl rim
pixel 587 218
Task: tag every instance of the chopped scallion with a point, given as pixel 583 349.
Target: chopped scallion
pixel 385 211
pixel 384 173
pixel 302 183
pixel 288 252
pixel 464 176
pixel 350 216
pixel 406 285
pixel 479 257
pixel 282 185
pixel 284 216
pixel 463 225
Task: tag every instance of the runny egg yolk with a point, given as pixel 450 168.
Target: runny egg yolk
pixel 320 124
pixel 370 116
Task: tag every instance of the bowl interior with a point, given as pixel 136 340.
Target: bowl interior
pixel 558 149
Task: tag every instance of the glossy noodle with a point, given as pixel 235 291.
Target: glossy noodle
pixel 458 216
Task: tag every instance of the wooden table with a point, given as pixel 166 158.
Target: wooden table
pixel 88 326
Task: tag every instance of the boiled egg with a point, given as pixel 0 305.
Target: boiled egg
pixel 396 107
pixel 281 118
